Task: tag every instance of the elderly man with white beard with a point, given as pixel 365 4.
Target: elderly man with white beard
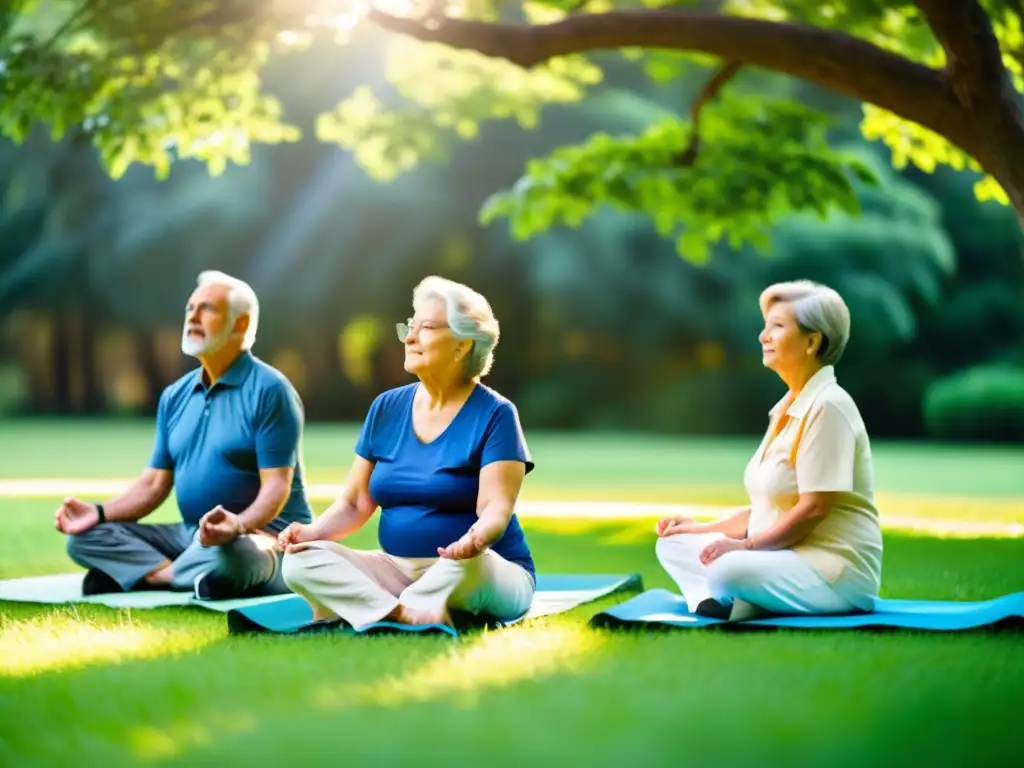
pixel 227 441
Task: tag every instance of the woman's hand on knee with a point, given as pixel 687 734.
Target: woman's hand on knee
pixel 670 526
pixel 716 549
pixel 466 547
pixel 481 535
pixel 293 535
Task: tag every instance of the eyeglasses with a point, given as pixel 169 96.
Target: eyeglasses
pixel 406 328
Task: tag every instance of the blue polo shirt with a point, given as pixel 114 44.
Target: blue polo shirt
pixel 427 492
pixel 217 440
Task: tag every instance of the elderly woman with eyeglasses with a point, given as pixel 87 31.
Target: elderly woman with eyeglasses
pixel 810 540
pixel 444 458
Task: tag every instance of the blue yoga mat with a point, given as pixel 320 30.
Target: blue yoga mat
pixel 555 594
pixel 661 608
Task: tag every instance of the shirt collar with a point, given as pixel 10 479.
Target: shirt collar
pixel 233 376
pixel 799 407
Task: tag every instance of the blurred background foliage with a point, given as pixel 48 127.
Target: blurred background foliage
pixel 604 325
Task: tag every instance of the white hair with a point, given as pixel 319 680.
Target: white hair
pixel 469 317
pixel 241 301
pixel 817 308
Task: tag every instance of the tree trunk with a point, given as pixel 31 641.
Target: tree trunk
pixel 61 370
pixel 1001 153
pixel 93 400
pixel 149 366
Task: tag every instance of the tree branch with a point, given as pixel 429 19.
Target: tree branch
pixel 74 18
pixel 723 75
pixel 982 86
pixel 974 60
pixel 833 60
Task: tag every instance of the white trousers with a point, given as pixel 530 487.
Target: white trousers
pixel 779 582
pixel 362 587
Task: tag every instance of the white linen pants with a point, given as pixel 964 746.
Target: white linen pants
pixel 779 582
pixel 362 587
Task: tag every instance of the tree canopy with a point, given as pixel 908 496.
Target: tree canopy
pixel 154 81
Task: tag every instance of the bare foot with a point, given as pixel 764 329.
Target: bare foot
pixel 322 614
pixel 438 616
pixel 397 616
pixel 404 615
pixel 445 617
pixel 161 576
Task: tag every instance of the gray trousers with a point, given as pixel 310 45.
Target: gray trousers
pixel 127 552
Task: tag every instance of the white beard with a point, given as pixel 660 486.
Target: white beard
pixel 195 347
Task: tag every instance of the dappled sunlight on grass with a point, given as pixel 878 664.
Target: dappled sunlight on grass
pixel 63 640
pixel 260 699
pixel 924 506
pixel 942 518
pixel 613 532
pixel 960 516
pixel 151 743
pixel 96 686
pixel 629 535
pixel 910 526
pixel 950 507
pixel 492 659
pixel 607 532
pixel 637 527
pixel 466 670
pixel 621 490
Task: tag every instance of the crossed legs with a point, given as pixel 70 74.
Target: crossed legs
pixel 363 587
pixel 779 582
pixel 128 553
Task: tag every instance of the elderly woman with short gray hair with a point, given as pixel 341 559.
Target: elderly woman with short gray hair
pixel 810 540
pixel 444 458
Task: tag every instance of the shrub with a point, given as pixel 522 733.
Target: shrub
pixel 984 403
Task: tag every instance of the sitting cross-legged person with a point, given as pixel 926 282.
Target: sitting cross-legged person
pixel 444 458
pixel 810 541
pixel 228 443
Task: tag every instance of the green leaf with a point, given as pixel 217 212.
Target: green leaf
pixel 148 82
pixel 694 247
pixel 761 161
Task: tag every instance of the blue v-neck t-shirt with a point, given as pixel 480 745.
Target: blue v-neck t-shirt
pixel 427 492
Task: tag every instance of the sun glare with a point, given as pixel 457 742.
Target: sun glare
pixel 343 16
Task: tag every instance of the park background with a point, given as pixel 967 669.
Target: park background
pixel 605 327
pixel 638 379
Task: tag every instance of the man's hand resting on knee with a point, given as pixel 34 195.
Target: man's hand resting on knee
pixel 74 516
pixel 219 527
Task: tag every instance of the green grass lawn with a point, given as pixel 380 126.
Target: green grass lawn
pixel 94 686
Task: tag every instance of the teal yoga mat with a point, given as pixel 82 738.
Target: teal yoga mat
pixel 65 588
pixel 61 588
pixel 289 613
pixel 555 594
pixel 659 608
